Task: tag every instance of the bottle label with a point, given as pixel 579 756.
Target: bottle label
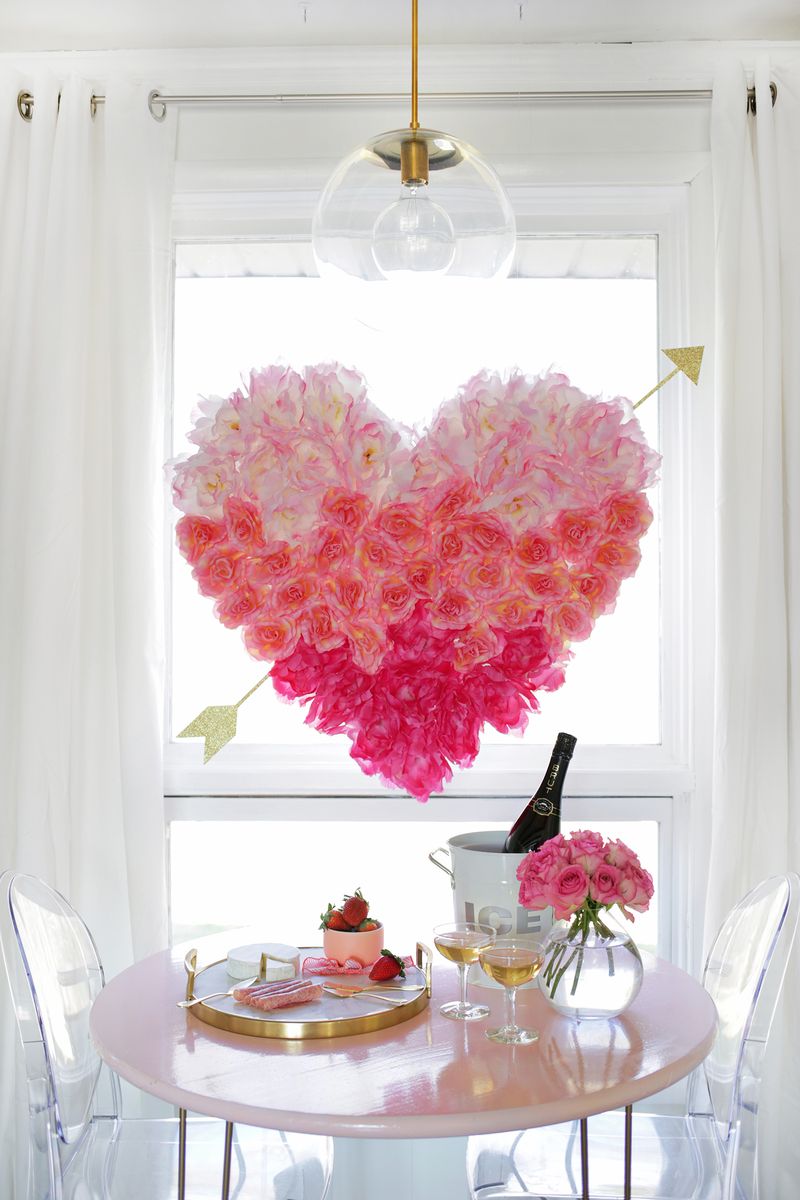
pixel 543 806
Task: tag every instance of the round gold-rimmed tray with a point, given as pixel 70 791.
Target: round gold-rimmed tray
pixel 329 1017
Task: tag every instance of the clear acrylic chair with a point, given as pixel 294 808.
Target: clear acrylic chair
pixel 709 1152
pixel 80 1147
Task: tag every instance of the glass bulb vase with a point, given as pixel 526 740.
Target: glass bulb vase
pixel 592 969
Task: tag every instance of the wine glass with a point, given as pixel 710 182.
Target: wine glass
pixel 461 942
pixel 512 962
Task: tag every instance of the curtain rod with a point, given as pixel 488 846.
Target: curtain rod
pixel 158 101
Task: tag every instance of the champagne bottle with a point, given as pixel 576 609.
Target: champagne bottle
pixel 540 819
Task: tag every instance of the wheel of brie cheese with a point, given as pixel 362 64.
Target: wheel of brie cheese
pixel 283 962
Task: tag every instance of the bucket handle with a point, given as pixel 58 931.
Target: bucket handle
pixel 432 857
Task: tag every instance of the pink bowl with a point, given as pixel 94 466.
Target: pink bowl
pixel 365 946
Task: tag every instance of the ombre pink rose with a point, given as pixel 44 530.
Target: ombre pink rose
pixel 627 516
pixel 486 533
pixel 197 535
pixel 453 609
pixel 322 627
pixel 348 509
pixel 571 620
pixel 271 637
pixel 396 598
pixel 578 532
pixel 218 571
pixel 403 524
pixel 536 549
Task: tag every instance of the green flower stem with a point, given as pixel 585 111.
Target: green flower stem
pixel 587 917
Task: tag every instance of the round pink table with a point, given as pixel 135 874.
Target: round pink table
pixel 430 1077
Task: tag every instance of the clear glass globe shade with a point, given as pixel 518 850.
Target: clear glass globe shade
pixel 367 183
pixel 413 235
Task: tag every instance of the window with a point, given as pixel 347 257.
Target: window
pixel 588 305
pixel 596 320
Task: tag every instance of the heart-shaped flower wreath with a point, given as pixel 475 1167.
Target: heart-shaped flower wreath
pixel 413 588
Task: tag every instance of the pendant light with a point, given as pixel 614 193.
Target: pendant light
pixel 413 203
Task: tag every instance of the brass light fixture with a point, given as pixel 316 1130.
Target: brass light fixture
pixel 411 203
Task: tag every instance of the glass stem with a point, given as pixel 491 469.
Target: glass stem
pixel 462 973
pixel 511 1008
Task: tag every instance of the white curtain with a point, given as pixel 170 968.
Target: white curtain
pixel 756 790
pixel 84 286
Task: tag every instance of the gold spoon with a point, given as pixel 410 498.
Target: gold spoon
pixel 240 983
pixel 345 993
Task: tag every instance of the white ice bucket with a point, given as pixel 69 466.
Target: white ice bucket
pixel 485 885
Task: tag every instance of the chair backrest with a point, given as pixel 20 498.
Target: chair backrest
pixel 53 993
pixel 744 974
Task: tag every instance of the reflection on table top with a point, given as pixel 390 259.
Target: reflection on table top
pixel 429 1077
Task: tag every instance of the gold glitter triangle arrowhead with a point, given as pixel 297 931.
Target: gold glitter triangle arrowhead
pixel 688 359
pixel 216 724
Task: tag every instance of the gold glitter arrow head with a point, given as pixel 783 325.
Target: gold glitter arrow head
pixel 216 724
pixel 688 359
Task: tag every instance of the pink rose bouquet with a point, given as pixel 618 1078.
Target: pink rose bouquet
pixel 581 877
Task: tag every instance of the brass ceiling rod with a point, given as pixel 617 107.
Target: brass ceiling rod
pixel 158 101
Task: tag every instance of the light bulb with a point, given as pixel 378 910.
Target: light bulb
pixel 413 235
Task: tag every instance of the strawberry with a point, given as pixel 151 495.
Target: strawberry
pixel 369 924
pixel 388 966
pixel 332 918
pixel 355 909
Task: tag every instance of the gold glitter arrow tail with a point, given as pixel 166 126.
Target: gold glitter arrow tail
pixel 217 724
pixel 687 359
